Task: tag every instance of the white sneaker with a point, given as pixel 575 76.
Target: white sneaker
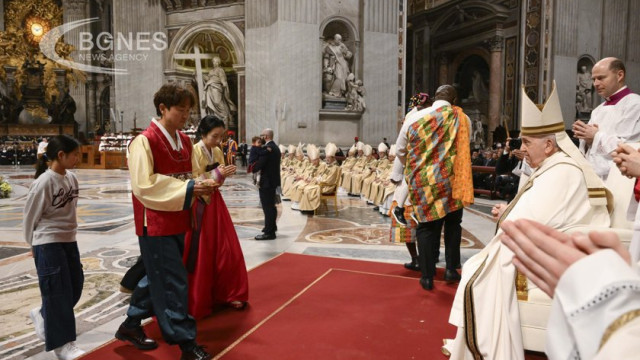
pixel 68 351
pixel 38 322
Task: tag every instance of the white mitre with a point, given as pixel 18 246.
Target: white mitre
pixel 312 152
pixel 292 149
pixel 382 147
pixel 367 150
pixel 352 150
pixel 282 148
pixel 299 151
pixel 360 146
pixel 330 149
pixel 392 151
pixel 536 122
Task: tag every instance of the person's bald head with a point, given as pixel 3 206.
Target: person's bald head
pixel 608 76
pixel 447 93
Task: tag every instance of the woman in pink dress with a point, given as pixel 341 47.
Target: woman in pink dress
pixel 213 256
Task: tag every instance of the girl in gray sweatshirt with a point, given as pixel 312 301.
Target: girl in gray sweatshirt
pixel 50 228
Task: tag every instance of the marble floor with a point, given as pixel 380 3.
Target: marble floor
pixel 108 246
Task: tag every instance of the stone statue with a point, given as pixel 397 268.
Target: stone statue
pixel 67 109
pixel 335 67
pixel 584 90
pixel 355 94
pixel 478 133
pixel 479 89
pixel 217 97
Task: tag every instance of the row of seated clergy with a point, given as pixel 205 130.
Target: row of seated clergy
pixel 362 164
pixel 382 189
pixel 374 169
pixel 295 169
pixel 313 168
pixel 348 163
pixel 288 160
pixel 306 194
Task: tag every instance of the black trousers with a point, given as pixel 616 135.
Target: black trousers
pixel 428 236
pixel 163 291
pixel 268 201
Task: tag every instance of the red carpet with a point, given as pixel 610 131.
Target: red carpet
pixel 308 307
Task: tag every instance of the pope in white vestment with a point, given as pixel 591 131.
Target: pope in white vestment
pixel 562 192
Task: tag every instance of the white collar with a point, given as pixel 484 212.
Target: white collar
pixel 176 147
pixel 440 103
pixel 207 152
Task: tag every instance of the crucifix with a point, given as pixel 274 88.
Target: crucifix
pixel 197 57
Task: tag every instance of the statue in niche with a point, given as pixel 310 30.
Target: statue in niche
pixel 355 94
pixel 335 67
pixel 584 88
pixel 217 96
pixel 478 132
pixel 478 88
pixel 67 109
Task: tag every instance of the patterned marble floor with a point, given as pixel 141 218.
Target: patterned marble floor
pixel 109 246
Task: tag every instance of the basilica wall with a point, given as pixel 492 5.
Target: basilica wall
pixel 134 91
pixel 284 44
pixel 590 30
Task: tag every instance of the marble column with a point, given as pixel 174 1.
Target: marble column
pixel 495 84
pixel 77 10
pixel 242 114
pixel 444 69
pixel 92 105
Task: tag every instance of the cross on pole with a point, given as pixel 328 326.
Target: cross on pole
pixel 197 57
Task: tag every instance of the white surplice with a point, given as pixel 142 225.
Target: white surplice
pixel 591 295
pixel 616 123
pixel 555 195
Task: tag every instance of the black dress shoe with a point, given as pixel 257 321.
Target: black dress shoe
pixel 451 276
pixel 376 208
pixel 137 337
pixel 197 353
pixel 413 265
pixel 427 283
pixel 398 214
pixel 265 237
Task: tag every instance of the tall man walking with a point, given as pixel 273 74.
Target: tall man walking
pixel 269 164
pixel 438 174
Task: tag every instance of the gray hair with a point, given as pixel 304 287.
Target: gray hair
pixel 268 133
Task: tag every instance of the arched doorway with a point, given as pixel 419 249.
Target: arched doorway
pixel 198 49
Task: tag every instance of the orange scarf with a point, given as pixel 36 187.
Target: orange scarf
pixel 462 184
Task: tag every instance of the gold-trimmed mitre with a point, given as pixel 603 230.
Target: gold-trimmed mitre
pixel 546 120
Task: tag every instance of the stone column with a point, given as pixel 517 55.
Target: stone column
pixel 92 105
pixel 241 116
pixel 444 69
pixel 77 10
pixel 495 84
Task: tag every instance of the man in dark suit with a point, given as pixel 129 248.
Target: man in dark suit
pixel 269 165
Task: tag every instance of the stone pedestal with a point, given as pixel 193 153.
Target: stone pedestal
pixel 333 103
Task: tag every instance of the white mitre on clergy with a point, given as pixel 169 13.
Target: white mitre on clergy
pixel 330 150
pixel 382 147
pixel 547 121
pixel 312 152
pixel 299 151
pixel 282 148
pixel 360 145
pixel 352 150
pixel 367 150
pixel 392 150
pixel 291 149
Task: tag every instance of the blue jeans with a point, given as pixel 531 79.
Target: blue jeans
pixel 60 278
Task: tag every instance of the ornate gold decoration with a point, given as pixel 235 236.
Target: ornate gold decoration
pixel 26 22
pixel 521 286
pixel 623 320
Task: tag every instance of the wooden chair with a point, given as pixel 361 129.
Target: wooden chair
pixel 333 195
